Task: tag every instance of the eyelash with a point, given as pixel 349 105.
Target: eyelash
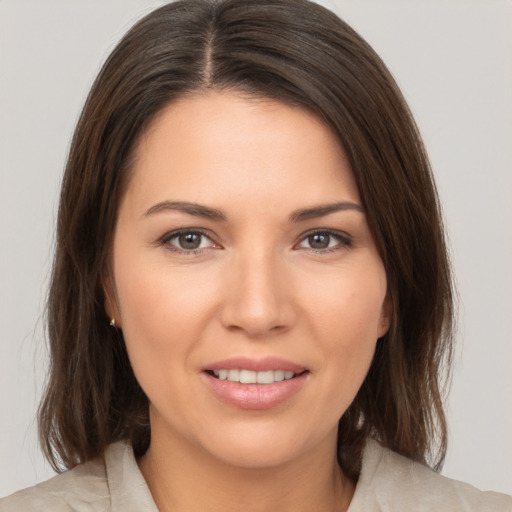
pixel 166 239
pixel 344 240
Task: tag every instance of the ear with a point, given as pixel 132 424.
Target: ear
pixel 386 314
pixel 111 303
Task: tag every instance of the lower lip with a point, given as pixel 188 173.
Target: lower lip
pixel 255 396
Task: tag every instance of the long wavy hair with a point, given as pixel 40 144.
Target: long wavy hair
pixel 299 53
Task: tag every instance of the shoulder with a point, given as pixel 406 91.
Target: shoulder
pixel 389 481
pixel 112 483
pixel 82 488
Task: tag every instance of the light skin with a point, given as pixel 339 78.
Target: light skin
pixel 274 259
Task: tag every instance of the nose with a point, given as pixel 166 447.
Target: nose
pixel 258 296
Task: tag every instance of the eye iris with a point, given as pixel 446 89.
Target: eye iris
pixel 189 240
pixel 319 241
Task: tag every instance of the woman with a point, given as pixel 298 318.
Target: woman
pixel 251 304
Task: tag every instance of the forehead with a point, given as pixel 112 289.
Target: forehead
pixel 216 147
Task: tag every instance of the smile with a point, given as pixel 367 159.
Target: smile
pixel 255 384
pixel 253 377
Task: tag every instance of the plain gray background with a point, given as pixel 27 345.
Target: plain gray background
pixel 453 60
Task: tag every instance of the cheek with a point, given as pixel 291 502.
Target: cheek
pixel 155 296
pixel 350 307
pixel 163 311
pixel 348 318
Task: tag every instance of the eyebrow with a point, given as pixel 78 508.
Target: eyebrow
pixel 323 210
pixel 198 210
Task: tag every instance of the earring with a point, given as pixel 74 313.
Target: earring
pixel 113 322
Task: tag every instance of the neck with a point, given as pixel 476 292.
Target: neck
pixel 183 478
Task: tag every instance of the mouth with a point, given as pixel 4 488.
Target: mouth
pixel 255 390
pixel 255 384
pixel 244 376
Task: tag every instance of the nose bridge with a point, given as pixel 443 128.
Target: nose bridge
pixel 258 300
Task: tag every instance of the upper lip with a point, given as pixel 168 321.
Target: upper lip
pixel 256 365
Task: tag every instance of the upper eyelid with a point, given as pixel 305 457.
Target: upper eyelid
pixel 342 236
pixel 176 232
pixel 325 230
pixel 167 237
pixel 329 231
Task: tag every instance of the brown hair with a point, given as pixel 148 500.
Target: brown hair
pixel 292 51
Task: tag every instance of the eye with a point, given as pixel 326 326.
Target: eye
pixel 187 241
pixel 325 241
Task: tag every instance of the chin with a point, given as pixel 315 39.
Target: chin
pixel 261 456
pixel 262 447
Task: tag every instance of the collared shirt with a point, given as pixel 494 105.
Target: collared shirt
pixel 388 483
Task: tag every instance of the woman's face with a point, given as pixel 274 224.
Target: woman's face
pixel 247 284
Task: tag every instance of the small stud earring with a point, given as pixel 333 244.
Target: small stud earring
pixel 113 322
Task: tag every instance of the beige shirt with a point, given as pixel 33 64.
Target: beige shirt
pixel 388 483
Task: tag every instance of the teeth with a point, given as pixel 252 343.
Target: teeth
pixel 265 377
pixel 279 375
pixel 247 377
pixel 234 375
pixel 251 377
